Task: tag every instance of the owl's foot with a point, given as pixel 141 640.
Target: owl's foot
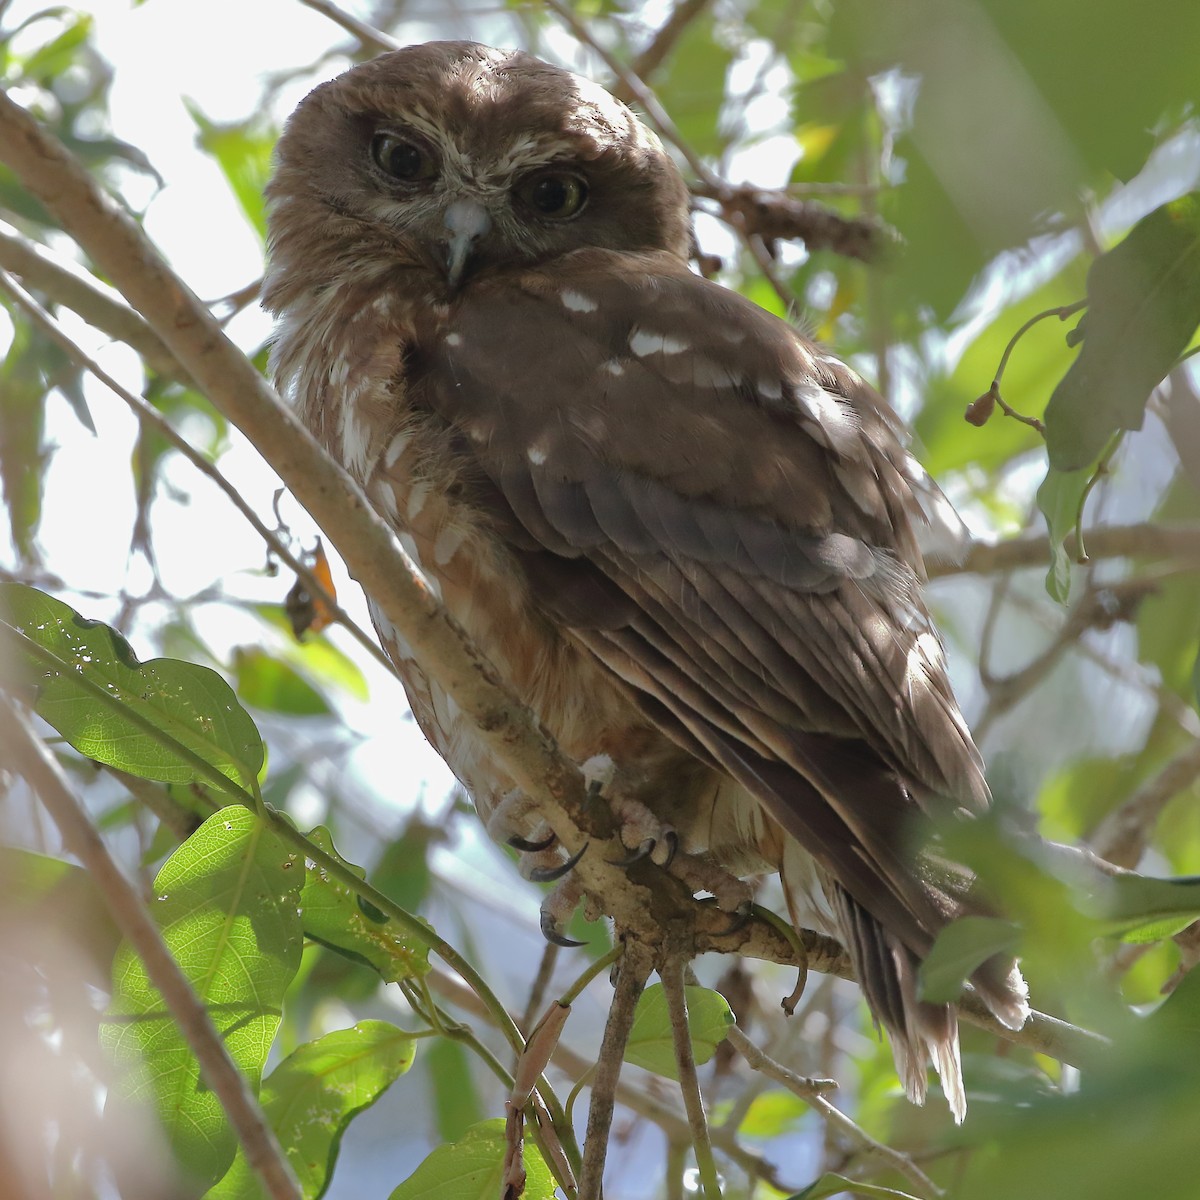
pixel 645 836
pixel 558 908
pixel 517 821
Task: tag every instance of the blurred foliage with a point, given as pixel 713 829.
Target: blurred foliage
pixel 1029 157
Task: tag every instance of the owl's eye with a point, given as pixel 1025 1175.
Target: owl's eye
pixel 401 159
pixel 556 194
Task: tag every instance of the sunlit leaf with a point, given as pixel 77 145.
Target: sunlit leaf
pixel 1143 310
pixel 243 152
pixel 336 917
pixel 472 1168
pixel 313 1095
pixel 651 1044
pixel 227 904
pixel 161 719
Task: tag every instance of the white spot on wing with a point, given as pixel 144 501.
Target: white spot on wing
pixel 396 447
pixel 537 454
pixel 454 339
pixel 416 499
pixel 643 342
pixel 613 367
pixel 354 437
pixel 578 302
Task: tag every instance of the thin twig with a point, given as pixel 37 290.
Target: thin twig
pixel 811 1092
pixel 666 1116
pixel 371 39
pixel 1179 543
pixel 1122 836
pixel 539 987
pixel 147 413
pixel 29 757
pixel 634 969
pixel 638 90
pixel 671 973
pixel 70 285
pixel 660 46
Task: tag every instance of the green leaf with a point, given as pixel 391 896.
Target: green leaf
pixel 316 657
pixel 1039 360
pixel 267 683
pixel 336 917
pixel 650 1042
pixel 163 719
pixel 834 1185
pixel 48 62
pixel 1138 908
pixel 243 152
pixel 1059 498
pixel 472 1167
pixel 314 1094
pixel 959 949
pixel 773 1113
pixel 227 904
pixel 1143 310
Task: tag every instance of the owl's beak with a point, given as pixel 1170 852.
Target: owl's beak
pixel 466 221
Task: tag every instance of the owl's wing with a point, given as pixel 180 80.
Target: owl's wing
pixel 728 520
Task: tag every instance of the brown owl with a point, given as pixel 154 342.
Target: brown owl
pixel 687 535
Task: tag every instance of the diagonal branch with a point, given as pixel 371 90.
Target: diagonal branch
pixel 810 1091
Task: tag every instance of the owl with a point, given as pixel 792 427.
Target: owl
pixel 687 536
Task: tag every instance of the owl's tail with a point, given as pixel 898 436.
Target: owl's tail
pixel 848 870
pixel 919 1031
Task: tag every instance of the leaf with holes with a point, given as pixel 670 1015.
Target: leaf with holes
pixel 337 917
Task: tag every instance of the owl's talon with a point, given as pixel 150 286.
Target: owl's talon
pixel 553 874
pixel 531 847
pixel 643 851
pixel 738 918
pixel 552 933
pixel 671 840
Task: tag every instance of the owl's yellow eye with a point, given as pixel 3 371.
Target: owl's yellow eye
pixel 557 194
pixel 401 159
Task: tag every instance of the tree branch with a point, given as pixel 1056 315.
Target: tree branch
pixel 1180 543
pixel 634 968
pixel 811 1093
pixel 25 752
pixel 68 284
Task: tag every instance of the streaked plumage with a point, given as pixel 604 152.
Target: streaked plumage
pixel 688 536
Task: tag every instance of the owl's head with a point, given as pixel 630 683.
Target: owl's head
pixel 452 156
